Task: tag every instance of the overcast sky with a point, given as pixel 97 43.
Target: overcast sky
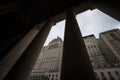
pixel 90 22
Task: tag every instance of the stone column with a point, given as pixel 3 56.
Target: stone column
pixel 10 59
pixel 24 65
pixel 76 63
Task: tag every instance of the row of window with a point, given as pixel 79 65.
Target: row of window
pixel 50 65
pixel 44 77
pixel 91 46
pixel 53 46
pixel 40 77
pixel 111 77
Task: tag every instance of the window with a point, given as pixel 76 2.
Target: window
pixel 94 45
pixel 91 46
pixel 53 75
pixel 110 75
pixel 56 75
pixel 117 73
pixel 96 76
pixel 52 79
pixel 88 47
pixel 103 76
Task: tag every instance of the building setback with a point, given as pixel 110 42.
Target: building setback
pixel 102 54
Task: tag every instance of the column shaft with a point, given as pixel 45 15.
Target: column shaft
pixel 24 65
pixel 14 54
pixel 76 64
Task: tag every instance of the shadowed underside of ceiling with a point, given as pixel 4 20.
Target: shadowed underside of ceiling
pixel 19 16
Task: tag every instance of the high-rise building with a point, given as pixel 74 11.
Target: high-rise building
pixel 109 43
pixel 103 60
pixel 101 67
pixel 96 57
pixel 48 64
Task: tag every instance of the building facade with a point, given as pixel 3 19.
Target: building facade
pixel 101 67
pixel 95 55
pixel 109 44
pixel 48 64
pixel 107 73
